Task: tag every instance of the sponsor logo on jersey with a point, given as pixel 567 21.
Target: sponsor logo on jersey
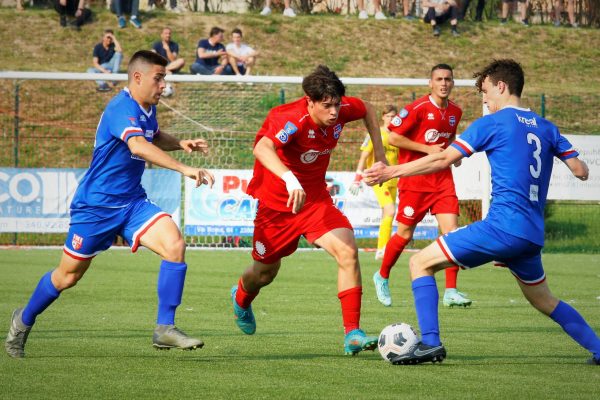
pixel 260 248
pixel 337 130
pixel 430 116
pixel 149 133
pixel 432 135
pixel 452 120
pixel 284 135
pixel 527 121
pixel 396 121
pixel 133 121
pixel 311 134
pixel 311 156
pixel 403 113
pixel 408 211
pixel 76 242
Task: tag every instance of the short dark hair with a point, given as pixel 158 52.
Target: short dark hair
pixel 215 30
pixel 442 66
pixel 107 31
pixel 147 57
pixel 506 70
pixel 388 108
pixel 323 83
pixel 238 31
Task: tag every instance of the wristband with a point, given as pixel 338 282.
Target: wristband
pixel 291 182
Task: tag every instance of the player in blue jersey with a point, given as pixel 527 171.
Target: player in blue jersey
pixel 520 146
pixel 110 201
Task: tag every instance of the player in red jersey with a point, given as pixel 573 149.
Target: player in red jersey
pixel 426 126
pixel 292 151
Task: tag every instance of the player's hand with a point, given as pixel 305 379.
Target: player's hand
pixel 378 173
pixel 296 200
pixel 201 176
pixel 190 145
pixel 586 173
pixel 457 163
pixel 436 148
pixel 356 186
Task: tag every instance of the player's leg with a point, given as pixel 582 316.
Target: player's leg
pixel 386 197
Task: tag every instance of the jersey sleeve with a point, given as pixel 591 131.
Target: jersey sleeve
pixel 352 108
pixel 280 130
pixel 403 123
pixel 125 122
pixel 563 149
pixel 367 144
pixel 475 138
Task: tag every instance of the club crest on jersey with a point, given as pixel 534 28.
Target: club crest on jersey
pixel 76 242
pixel 396 121
pixel 403 113
pixel 430 116
pixel 143 118
pixel 452 120
pixel 337 130
pixel 311 134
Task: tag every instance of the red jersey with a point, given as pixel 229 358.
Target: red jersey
pixel 424 122
pixel 303 147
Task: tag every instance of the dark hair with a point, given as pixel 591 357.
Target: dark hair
pixel 442 66
pixel 323 83
pixel 215 30
pixel 388 108
pixel 507 70
pixel 107 31
pixel 147 57
pixel 238 31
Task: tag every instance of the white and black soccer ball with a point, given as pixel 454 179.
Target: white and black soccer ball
pixel 168 91
pixel 397 340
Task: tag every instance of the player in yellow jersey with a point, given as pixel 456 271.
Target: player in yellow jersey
pixel 386 193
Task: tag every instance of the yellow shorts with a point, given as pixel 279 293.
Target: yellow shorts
pixel 386 193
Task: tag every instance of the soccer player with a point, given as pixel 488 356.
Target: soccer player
pixel 110 201
pixel 520 146
pixel 292 151
pixel 424 127
pixel 386 193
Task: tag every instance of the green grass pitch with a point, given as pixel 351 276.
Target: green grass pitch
pixel 95 341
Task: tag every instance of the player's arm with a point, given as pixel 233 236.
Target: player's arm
pixel 402 142
pixel 578 168
pixel 372 125
pixel 429 164
pixel 139 146
pixel 266 153
pixel 167 142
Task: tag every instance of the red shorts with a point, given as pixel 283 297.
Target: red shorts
pixel 276 233
pixel 412 206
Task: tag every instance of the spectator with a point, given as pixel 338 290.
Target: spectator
pixel 406 9
pixel 169 50
pixel 362 13
pixel 288 11
pixel 131 7
pixel 558 7
pixel 506 7
pixel 478 10
pixel 241 56
pixel 107 58
pixel 439 11
pixel 174 7
pixel 74 8
pixel 211 57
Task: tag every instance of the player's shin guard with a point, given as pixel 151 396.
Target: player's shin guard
pixel 242 297
pixel 426 303
pixel 170 290
pixel 44 294
pixel 573 323
pixel 393 249
pixel 451 275
pixel 350 300
pixel 385 231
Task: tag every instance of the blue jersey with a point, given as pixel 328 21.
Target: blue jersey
pixel 115 174
pixel 520 146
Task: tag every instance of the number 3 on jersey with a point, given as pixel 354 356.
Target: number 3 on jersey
pixel 535 170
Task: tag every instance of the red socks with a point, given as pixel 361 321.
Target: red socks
pixel 393 249
pixel 243 298
pixel 451 274
pixel 350 300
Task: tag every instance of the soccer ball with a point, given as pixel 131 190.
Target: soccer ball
pixel 168 91
pixel 396 340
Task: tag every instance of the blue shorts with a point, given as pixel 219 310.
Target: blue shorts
pixel 94 229
pixel 480 243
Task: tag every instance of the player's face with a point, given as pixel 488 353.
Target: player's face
pixel 325 112
pixel 387 118
pixel 441 83
pixel 491 95
pixel 151 83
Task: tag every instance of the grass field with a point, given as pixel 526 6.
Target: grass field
pixel 95 341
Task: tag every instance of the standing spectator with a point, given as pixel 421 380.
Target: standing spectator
pixel 507 6
pixel 169 50
pixel 241 56
pixel 478 10
pixel 288 11
pixel 439 11
pixel 73 8
pixel 362 11
pixel 131 7
pixel 558 7
pixel 211 56
pixel 107 58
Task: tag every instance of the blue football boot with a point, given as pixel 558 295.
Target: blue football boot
pixel 356 341
pixel 244 317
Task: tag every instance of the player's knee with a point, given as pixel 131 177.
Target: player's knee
pixel 415 265
pixel 66 281
pixel 175 250
pixel 347 256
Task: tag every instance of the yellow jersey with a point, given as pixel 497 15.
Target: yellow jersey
pixel 391 152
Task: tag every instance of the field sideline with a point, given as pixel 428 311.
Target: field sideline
pixel 95 341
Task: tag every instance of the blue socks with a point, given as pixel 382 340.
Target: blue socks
pixel 426 303
pixel 576 327
pixel 44 294
pixel 170 290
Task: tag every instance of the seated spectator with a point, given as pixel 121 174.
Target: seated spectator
pixel 439 11
pixel 288 11
pixel 241 56
pixel 558 7
pixel 506 7
pixel 478 10
pixel 211 57
pixel 73 8
pixel 107 58
pixel 362 11
pixel 131 7
pixel 169 50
